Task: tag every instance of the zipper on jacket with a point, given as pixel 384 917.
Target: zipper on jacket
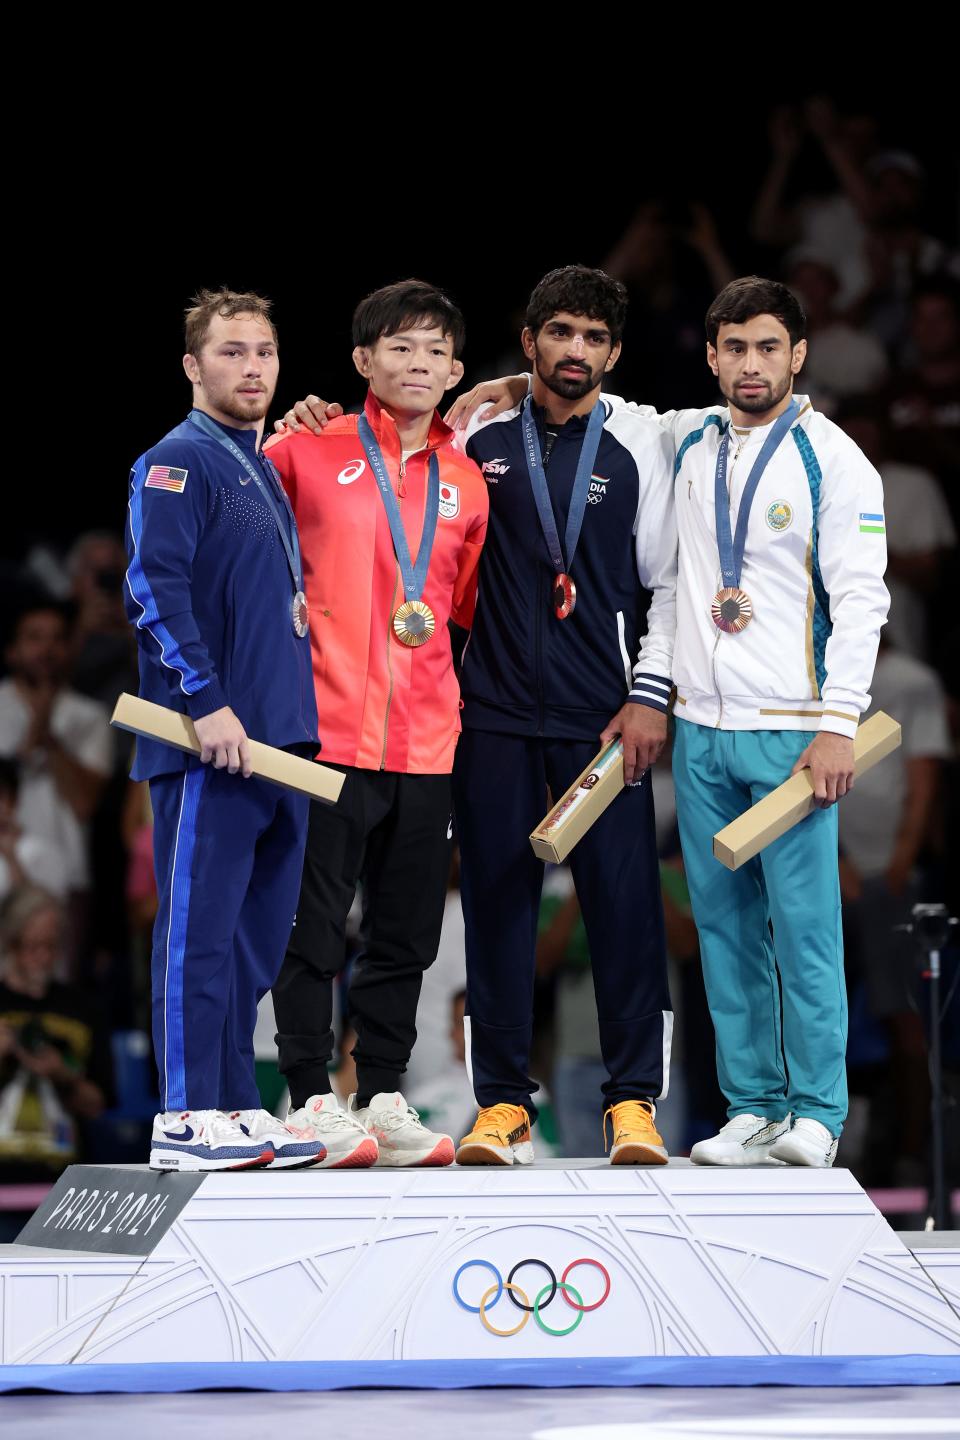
pixel 716 678
pixel 538 658
pixel 386 713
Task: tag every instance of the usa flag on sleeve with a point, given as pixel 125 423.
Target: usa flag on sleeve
pixel 166 477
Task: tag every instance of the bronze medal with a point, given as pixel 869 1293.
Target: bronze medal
pixel 732 610
pixel 564 596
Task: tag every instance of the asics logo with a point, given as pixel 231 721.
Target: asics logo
pixel 351 472
pixel 185 1134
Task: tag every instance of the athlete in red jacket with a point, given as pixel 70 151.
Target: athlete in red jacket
pixel 392 519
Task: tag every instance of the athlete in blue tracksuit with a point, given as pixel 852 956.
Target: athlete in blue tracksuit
pixel 538 692
pixel 211 592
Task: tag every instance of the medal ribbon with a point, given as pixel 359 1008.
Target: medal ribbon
pixel 731 550
pixel 290 539
pixel 414 577
pixel 581 483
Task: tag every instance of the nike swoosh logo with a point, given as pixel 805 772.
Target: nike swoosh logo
pixel 185 1134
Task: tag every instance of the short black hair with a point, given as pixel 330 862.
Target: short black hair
pixel 580 291
pixel 751 295
pixel 407 303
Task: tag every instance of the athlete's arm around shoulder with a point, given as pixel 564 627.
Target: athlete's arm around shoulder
pixel 465 472
pixel 300 454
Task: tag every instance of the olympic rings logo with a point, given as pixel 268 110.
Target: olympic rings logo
pixel 542 1300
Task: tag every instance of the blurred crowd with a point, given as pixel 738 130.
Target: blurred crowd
pixel 854 225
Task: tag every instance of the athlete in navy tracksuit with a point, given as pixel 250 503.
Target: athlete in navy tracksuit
pixel 210 591
pixel 538 692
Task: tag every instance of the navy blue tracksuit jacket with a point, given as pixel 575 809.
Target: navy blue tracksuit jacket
pixel 209 590
pixel 537 692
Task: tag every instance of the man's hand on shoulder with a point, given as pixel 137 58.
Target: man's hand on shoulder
pixel 223 741
pixel 310 414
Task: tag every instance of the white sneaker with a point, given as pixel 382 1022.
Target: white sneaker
pixel 744 1140
pixel 204 1140
pixel 291 1148
pixel 348 1143
pixel 808 1143
pixel 401 1138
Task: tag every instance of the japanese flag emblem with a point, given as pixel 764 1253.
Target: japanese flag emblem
pixel 449 501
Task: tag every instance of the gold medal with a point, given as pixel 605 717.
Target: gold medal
pixel 413 623
pixel 564 596
pixel 732 610
pixel 299 614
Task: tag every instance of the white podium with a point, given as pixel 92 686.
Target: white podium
pixel 360 1265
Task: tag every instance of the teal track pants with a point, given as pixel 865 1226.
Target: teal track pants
pixel 778 1002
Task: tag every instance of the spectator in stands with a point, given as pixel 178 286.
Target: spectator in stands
pixel 25 858
pixel 830 214
pixel 886 825
pixel 55 1071
pixel 924 403
pixel 841 359
pixel 60 738
pixel 920 534
pixel 103 646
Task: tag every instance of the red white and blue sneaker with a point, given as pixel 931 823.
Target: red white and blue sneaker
pixel 401 1136
pixel 291 1147
pixel 204 1140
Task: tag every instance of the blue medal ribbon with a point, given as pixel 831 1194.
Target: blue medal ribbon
pixel 581 483
pixel 414 576
pixel 731 549
pixel 288 536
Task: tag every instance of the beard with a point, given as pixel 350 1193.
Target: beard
pixel 228 401
pixel 767 399
pixel 568 387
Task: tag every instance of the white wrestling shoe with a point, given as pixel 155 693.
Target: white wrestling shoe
pixel 399 1133
pixel 744 1140
pixel 291 1148
pixel 204 1140
pixel 347 1141
pixel 808 1143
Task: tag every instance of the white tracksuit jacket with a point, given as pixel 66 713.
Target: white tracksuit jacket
pixel 813 567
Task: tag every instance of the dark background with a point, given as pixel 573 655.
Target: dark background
pixel 132 224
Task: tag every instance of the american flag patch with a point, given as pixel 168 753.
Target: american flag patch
pixel 166 477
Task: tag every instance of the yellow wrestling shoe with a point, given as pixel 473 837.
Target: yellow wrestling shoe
pixel 501 1136
pixel 636 1140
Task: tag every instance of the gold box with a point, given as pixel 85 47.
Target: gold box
pixel 293 772
pixel 779 811
pixel 583 803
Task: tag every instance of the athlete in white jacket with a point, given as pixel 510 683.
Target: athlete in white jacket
pixel 778 622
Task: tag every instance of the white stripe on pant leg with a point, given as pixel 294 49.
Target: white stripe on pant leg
pixel 466 1049
pixel 166 973
pixel 667 1047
